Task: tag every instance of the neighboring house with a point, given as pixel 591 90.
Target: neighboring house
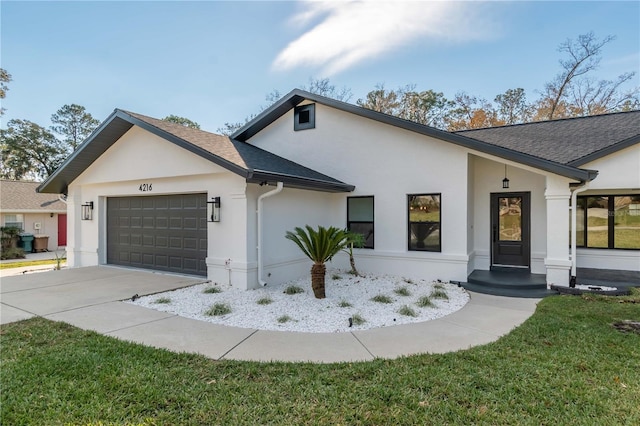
pixel 431 204
pixel 36 213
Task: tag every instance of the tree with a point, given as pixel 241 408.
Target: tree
pixel 512 106
pixel 29 151
pixel 323 87
pixel 74 124
pixel 584 56
pixel 590 97
pixel 320 246
pixel 471 113
pixel 428 107
pixel 5 78
pixel 182 121
pixel 381 100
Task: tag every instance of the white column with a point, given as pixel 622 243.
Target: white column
pixel 557 261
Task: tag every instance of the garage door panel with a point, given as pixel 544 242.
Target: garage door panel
pixel 174 236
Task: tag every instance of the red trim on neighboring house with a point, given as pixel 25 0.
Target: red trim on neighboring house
pixel 62 230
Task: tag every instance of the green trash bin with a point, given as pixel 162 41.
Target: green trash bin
pixel 26 242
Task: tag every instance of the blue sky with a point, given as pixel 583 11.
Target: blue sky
pixel 215 62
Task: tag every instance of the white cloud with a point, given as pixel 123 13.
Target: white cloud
pixel 352 31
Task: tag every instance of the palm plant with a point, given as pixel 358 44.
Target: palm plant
pixel 320 246
pixel 354 239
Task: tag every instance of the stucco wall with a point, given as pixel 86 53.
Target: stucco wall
pixel 388 163
pixel 618 173
pixel 487 178
pixel 48 226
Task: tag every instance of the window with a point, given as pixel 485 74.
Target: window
pixel 424 222
pixel 304 117
pixel 14 220
pixel 360 218
pixel 609 222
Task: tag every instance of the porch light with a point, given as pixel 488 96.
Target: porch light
pixel 87 211
pixel 213 209
pixel 505 181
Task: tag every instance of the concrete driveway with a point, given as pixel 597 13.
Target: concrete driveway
pixel 91 298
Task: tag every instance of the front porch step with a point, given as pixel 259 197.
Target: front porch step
pixel 508 283
pixel 509 292
pixel 516 279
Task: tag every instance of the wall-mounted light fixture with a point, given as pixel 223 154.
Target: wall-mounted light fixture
pixel 87 211
pixel 505 181
pixel 213 209
pixel 50 214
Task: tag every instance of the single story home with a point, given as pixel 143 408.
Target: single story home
pixel 146 193
pixel 36 213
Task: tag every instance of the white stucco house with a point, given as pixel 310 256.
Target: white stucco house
pixel 142 192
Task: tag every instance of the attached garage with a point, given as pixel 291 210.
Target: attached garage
pixel 162 232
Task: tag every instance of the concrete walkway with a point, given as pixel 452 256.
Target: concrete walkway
pixel 90 298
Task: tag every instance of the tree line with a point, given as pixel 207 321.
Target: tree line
pixel 30 151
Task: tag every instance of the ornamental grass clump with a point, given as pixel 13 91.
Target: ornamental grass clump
pixel 162 300
pixel 402 291
pixel 218 309
pixel 284 318
pixel 381 298
pixel 212 290
pixel 407 311
pixel 357 319
pixel 265 300
pixel 293 289
pixel 439 294
pixel 425 302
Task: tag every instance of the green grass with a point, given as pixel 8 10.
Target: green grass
pixel 425 302
pixel 381 298
pixel 212 290
pixel 566 365
pixel 266 300
pixel 344 304
pixel 402 291
pixel 293 289
pixel 162 300
pixel 218 309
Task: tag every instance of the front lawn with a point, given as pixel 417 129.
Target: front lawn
pixel 566 365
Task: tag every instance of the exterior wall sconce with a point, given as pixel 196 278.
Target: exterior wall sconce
pixel 50 214
pixel 213 210
pixel 505 181
pixel 87 211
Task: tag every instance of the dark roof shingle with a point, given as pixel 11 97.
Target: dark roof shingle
pixel 571 141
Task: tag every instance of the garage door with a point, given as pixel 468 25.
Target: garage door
pixel 164 232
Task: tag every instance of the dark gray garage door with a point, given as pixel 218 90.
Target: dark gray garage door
pixel 163 232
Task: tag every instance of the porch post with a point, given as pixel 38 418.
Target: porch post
pixel 557 261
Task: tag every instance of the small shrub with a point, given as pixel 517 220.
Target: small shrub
pixel 284 318
pixel 344 304
pixel 402 291
pixel 336 277
pixel 218 309
pixel 212 290
pixel 381 298
pixel 265 300
pixel 293 289
pixel 407 311
pixel 425 302
pixel 12 253
pixel 358 320
pixel 163 300
pixel 439 294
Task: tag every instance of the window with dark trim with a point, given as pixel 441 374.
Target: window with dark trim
pixel 360 218
pixel 424 222
pixel 304 117
pixel 608 222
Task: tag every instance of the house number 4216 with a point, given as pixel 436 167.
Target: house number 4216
pixel 145 187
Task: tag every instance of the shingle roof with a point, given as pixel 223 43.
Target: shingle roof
pixel 20 196
pixel 248 161
pixel 573 141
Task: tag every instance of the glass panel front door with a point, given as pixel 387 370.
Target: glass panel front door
pixel 510 229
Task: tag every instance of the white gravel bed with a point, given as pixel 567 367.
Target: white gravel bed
pixel 303 312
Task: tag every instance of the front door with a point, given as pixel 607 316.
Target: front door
pixel 62 230
pixel 510 230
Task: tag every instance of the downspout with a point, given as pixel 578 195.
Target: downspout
pixel 574 230
pixel 278 189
